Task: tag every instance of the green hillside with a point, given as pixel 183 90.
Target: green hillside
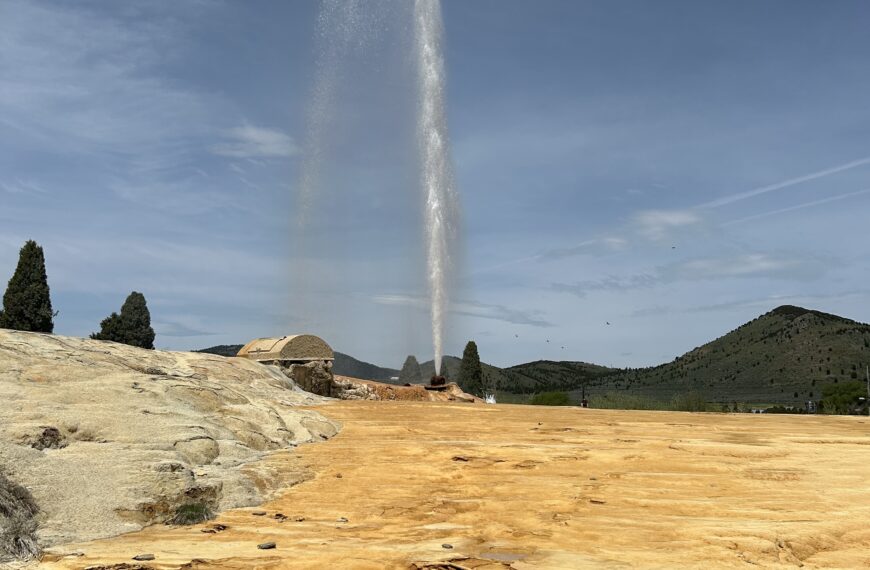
pixel 529 378
pixel 785 356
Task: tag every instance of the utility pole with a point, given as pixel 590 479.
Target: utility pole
pixel 867 372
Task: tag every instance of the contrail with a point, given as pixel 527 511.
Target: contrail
pixel 784 184
pixel 798 207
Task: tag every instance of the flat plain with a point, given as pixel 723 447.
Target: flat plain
pixel 448 485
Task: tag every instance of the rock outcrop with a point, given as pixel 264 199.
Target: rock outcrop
pixel 109 438
pixel 317 378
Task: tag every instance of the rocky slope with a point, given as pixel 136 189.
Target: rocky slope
pixel 109 438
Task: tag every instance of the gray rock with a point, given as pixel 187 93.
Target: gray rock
pixel 266 546
pixel 141 557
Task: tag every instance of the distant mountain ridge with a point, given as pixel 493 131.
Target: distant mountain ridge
pixel 343 365
pixel 785 356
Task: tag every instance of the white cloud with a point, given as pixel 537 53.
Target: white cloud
pixel 470 309
pixel 658 224
pixel 248 141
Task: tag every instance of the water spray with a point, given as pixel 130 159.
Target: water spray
pixel 441 201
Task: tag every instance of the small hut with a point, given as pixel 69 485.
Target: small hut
pixel 299 348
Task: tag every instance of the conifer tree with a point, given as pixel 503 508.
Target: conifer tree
pixel 27 301
pixel 470 371
pixel 410 373
pixel 132 326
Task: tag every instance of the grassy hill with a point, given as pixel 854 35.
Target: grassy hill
pixel 785 356
pixel 529 378
pixel 344 364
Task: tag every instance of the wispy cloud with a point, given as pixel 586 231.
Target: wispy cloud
pixel 751 265
pixel 176 329
pixel 658 224
pixel 19 186
pixel 470 309
pixel 725 200
pixel 590 246
pixel 248 141
pixel 798 207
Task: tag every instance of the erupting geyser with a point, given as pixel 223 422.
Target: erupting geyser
pixel 347 29
pixel 441 201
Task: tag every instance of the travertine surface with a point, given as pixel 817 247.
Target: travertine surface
pixel 109 438
pixel 535 487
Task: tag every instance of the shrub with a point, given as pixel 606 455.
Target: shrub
pixel 27 301
pixel 17 524
pixel 550 399
pixel 626 401
pixel 840 399
pixel 689 402
pixel 191 513
pixel 132 326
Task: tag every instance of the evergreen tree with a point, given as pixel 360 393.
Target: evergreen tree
pixel 132 326
pixel 445 371
pixel 470 371
pixel 410 373
pixel 27 302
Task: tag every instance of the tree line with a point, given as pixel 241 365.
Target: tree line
pixel 27 305
pixel 471 378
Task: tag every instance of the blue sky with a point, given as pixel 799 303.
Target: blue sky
pixel 673 168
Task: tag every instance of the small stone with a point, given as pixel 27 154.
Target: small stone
pixel 460 458
pixel 597 501
pixel 447 546
pixel 208 530
pixel 341 520
pixel 338 476
pixel 280 517
pixel 258 513
pixel 141 557
pixel 266 546
pixel 299 519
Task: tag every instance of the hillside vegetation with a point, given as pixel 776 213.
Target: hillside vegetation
pixel 786 356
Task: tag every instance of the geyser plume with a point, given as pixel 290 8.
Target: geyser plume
pixel 367 84
pixel 441 215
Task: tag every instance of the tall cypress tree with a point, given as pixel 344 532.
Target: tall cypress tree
pixel 410 373
pixel 470 371
pixel 27 302
pixel 132 326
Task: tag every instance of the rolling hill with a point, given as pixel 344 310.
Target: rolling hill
pixel 531 377
pixel 785 356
